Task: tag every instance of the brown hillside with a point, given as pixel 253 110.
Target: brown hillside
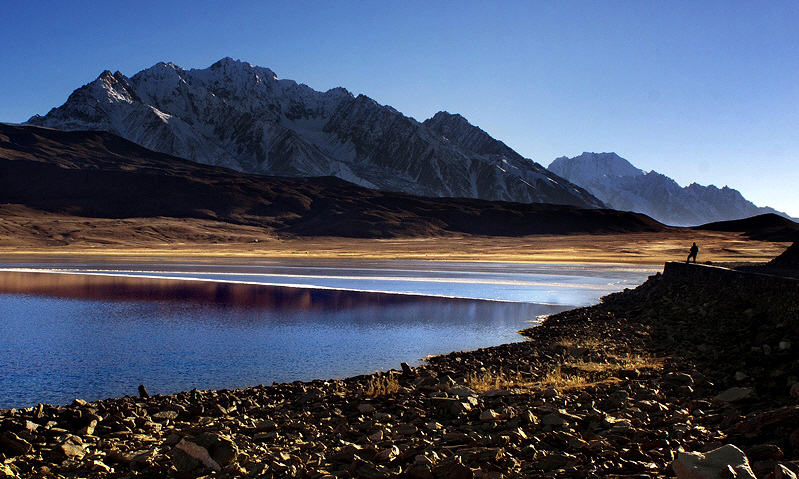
pixel 99 175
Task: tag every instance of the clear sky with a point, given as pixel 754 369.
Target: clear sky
pixel 702 91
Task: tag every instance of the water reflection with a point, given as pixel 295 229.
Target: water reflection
pixel 241 295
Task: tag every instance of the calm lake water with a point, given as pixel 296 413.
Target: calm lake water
pixel 104 331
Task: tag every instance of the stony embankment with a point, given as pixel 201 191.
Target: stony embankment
pixel 684 363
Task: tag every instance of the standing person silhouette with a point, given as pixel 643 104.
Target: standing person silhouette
pixel 692 254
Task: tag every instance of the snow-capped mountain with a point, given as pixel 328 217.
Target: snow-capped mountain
pixel 241 116
pixel 622 186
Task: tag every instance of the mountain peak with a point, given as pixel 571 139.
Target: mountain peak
pixel 227 62
pixel 622 186
pixel 447 116
pixel 231 66
pixel 589 166
pixel 241 116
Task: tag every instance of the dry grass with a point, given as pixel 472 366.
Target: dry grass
pixel 487 380
pixel 568 376
pixel 382 385
pixel 557 379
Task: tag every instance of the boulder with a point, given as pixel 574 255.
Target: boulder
pixel 726 461
pixel 72 448
pixel 786 417
pixel 735 394
pixel 210 450
pixel 14 445
pixel 188 456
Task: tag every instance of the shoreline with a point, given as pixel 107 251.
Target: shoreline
pixel 623 388
pixel 247 295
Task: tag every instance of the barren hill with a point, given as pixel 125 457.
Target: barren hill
pixel 100 175
pixel 767 227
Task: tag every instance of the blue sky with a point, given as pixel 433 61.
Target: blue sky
pixel 701 91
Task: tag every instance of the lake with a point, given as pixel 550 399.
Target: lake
pixel 92 331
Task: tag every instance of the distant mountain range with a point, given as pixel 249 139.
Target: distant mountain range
pixel 101 175
pixel 622 186
pixel 240 116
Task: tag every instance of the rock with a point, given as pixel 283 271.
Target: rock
pixel 782 472
pixel 72 448
pixel 577 352
pixel 552 420
pixel 462 392
pixel 365 408
pixel 489 415
pixel 88 430
pixel 222 449
pixel 455 470
pixel 784 345
pixel 312 395
pixel 434 426
pixel 13 444
pixel 164 415
pixel 786 417
pixel 210 450
pixel 460 407
pixel 679 379
pixel 552 461
pixel 739 376
pixel 387 455
pixel 188 456
pixel 734 394
pixel 99 466
pixel 764 451
pixel 795 391
pixel 6 472
pixel 550 393
pixel 716 464
pixel 266 425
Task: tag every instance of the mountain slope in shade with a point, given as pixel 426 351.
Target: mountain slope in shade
pixel 100 175
pixel 622 186
pixel 766 227
pixel 241 116
pixel 788 259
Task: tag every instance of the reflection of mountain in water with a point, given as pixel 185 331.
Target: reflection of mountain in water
pixel 245 295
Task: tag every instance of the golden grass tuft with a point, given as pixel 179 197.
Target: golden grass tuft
pixel 382 385
pixel 557 379
pixel 568 376
pixel 487 380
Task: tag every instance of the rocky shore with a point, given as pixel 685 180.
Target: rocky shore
pixel 695 372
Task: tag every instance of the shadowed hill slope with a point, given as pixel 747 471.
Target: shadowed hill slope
pixel 767 227
pixel 788 259
pixel 100 175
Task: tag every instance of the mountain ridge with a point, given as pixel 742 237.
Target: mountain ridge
pixel 622 186
pixel 241 116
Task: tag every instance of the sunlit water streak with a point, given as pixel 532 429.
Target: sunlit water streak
pixel 56 348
